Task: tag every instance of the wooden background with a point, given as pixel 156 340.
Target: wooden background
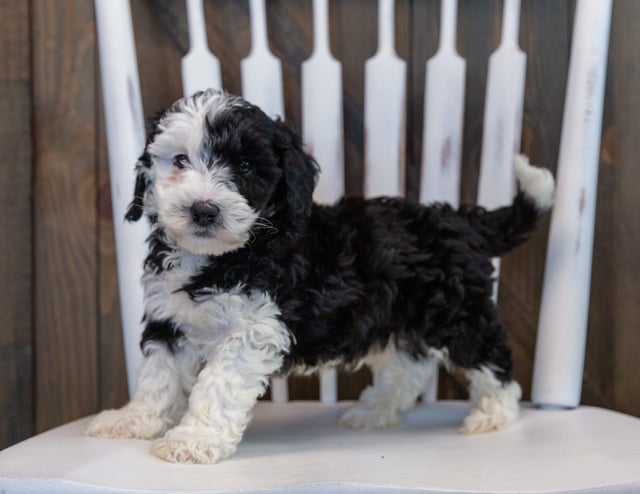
pixel 60 345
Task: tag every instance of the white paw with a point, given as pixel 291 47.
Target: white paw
pixel 361 417
pixel 127 422
pixel 489 415
pixel 188 444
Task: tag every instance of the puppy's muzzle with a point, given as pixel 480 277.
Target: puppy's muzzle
pixel 204 213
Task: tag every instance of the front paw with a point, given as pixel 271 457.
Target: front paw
pixel 127 422
pixel 192 444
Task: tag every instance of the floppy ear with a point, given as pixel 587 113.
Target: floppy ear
pixel 136 206
pixel 300 173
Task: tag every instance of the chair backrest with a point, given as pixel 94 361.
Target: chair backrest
pixel 563 320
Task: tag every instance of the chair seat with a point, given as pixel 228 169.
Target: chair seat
pixel 298 447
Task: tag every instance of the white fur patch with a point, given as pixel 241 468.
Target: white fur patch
pixel 493 405
pixel 243 343
pixel 175 193
pixel 159 402
pixel 535 182
pixel 233 342
pixel 398 381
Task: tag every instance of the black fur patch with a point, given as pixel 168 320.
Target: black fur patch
pixel 158 252
pixel 164 331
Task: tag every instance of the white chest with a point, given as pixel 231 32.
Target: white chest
pixel 212 316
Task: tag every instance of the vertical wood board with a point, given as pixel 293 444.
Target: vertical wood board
pixel 64 208
pixel 16 273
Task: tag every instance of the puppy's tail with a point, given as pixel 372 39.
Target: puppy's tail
pixel 506 228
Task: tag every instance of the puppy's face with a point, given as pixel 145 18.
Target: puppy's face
pixel 212 166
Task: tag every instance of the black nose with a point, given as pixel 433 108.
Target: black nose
pixel 203 213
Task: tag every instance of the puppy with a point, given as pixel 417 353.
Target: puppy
pixel 246 278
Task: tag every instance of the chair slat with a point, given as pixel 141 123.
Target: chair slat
pixel 502 117
pixel 503 113
pixel 559 358
pixel 443 127
pixel 384 111
pixel 322 131
pixel 444 113
pixel 261 71
pixel 200 68
pixel 125 140
pixel 322 120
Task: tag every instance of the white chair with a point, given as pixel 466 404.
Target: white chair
pixel 298 447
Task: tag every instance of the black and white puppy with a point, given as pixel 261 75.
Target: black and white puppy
pixel 246 278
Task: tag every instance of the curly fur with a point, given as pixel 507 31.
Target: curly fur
pixel 275 283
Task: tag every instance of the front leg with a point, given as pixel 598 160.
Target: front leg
pixel 235 375
pixel 159 400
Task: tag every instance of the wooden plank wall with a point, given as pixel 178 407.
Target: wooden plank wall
pixel 60 345
pixel 16 224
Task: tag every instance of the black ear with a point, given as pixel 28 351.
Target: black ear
pixel 300 173
pixel 136 206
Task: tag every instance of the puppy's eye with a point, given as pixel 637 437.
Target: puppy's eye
pixel 180 161
pixel 245 166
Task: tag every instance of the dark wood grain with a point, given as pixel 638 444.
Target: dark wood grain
pixel 16 274
pixel 65 211
pixel 613 342
pixel 624 84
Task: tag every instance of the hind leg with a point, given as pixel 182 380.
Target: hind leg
pixel 494 403
pixel 398 381
pixel 493 393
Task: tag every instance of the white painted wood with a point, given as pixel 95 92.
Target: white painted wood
pixel 322 133
pixel 385 112
pixel 559 359
pixel 261 74
pixel 299 448
pixel 443 127
pixel 503 113
pixel 328 384
pixel 125 140
pixel 444 113
pixel 261 71
pixel 502 117
pixel 279 389
pixel 322 123
pixel 200 68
